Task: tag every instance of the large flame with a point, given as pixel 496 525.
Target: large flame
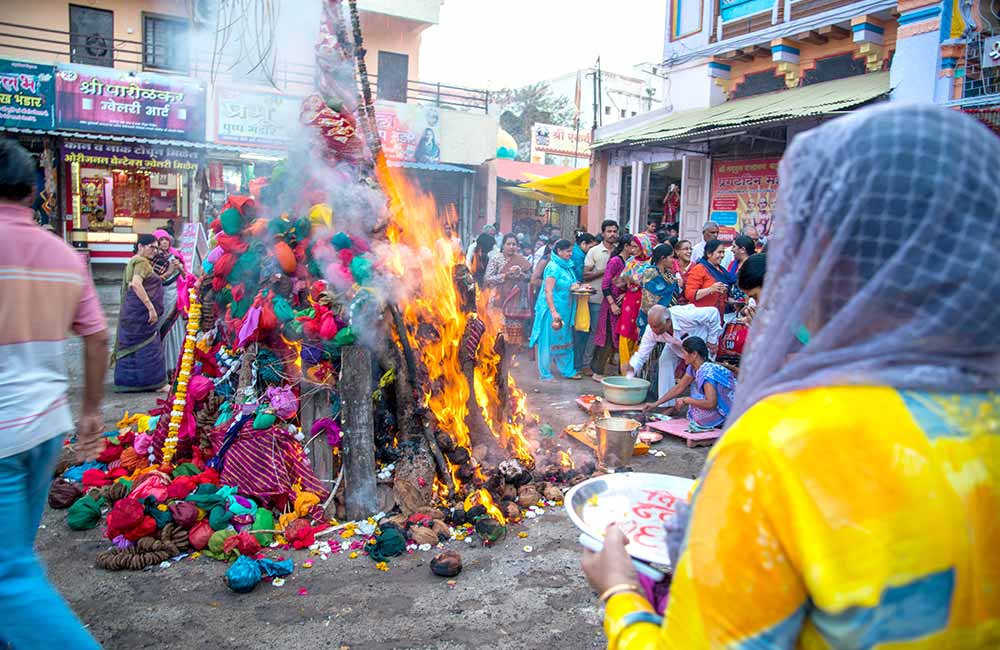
pixel 481 497
pixel 422 255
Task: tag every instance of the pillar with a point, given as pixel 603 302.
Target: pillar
pixel 916 62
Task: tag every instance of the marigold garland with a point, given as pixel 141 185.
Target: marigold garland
pixel 183 375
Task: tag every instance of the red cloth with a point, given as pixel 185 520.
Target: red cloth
pixel 200 534
pixel 125 515
pixel 111 452
pixel 185 513
pixel 181 486
pixel 300 534
pixel 95 478
pixel 244 543
pixel 146 528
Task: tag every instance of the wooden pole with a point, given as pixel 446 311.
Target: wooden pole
pixel 360 495
pixel 315 405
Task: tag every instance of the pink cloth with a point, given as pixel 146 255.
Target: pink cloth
pixel 614 268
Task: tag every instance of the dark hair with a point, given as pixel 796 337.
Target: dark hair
pixel 509 235
pixel 751 275
pixel 619 247
pixel 673 241
pixel 746 244
pixel 652 219
pixel 661 252
pixel 711 246
pixel 17 171
pixel 143 240
pixel 585 238
pixel 607 223
pixel 562 245
pixel 484 244
pixel 697 345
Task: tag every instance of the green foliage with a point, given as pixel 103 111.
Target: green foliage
pixel 523 107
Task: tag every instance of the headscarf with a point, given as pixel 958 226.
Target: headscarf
pixel 880 272
pixel 160 234
pixel 635 265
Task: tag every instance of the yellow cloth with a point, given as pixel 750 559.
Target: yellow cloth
pixel 841 517
pixel 626 348
pixel 582 323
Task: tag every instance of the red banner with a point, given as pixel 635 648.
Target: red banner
pixel 744 194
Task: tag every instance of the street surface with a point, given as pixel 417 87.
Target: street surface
pixel 505 597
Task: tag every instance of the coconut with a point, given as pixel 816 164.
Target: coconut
pixel 447 564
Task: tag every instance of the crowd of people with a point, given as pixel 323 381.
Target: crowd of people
pixel 605 304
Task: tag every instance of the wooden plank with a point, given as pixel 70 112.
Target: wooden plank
pixel 678 427
pixel 360 493
pixel 813 37
pixel 315 405
pixel 758 50
pixel 610 406
pixel 835 32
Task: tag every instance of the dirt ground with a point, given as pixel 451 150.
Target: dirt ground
pixel 505 598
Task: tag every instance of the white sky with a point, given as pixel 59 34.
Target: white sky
pixel 495 43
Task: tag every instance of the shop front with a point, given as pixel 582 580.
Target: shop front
pixel 130 148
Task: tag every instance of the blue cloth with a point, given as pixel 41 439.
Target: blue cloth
pixel 34 614
pixel 579 257
pixel 663 290
pixel 555 345
pixel 720 274
pixel 75 473
pixel 725 387
pixel 734 290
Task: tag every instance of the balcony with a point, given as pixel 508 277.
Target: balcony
pixel 292 77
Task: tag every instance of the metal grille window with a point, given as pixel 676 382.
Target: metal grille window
pixel 165 43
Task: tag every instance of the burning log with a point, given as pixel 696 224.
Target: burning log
pixel 501 409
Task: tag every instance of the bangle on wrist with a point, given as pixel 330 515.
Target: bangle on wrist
pixel 631 619
pixel 619 588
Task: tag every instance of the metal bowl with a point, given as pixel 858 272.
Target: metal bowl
pixel 615 441
pixel 638 502
pixel 625 390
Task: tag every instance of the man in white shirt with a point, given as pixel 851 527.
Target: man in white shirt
pixel 672 326
pixel 709 232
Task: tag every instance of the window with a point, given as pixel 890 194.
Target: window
pixel 165 43
pixel 91 36
pixel 393 76
pixel 607 110
pixel 622 112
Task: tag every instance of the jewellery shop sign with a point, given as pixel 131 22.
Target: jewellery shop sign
pixel 105 100
pixel 133 157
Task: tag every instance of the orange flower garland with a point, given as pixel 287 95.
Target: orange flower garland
pixel 183 375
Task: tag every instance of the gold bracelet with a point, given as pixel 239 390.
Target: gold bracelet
pixel 619 588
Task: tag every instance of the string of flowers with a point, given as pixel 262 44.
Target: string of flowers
pixel 183 376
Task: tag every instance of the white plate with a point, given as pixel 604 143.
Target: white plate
pixel 639 502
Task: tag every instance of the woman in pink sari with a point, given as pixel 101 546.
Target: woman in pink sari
pixel 606 334
pixel 631 281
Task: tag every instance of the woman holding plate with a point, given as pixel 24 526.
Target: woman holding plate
pixel 555 309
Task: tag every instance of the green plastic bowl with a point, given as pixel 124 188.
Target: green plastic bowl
pixel 625 390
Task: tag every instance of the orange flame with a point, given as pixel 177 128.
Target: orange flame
pixel 482 498
pixel 423 257
pixel 566 460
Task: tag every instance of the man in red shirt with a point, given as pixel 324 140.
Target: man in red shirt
pixel 45 291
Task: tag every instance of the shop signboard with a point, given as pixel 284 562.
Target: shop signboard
pixel 744 194
pixel 132 157
pixel 409 132
pixel 251 117
pixel 559 141
pixel 733 9
pixel 194 246
pixel 104 100
pixel 27 95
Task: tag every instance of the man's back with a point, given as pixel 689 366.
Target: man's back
pixel 44 293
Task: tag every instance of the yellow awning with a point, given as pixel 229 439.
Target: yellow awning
pixel 533 195
pixel 571 188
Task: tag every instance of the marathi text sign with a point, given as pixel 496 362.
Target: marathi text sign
pixel 560 141
pixel 27 95
pixel 159 158
pixel 744 194
pixel 97 99
pixel 255 117
pixel 409 132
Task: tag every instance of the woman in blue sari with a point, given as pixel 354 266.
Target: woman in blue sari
pixel 138 353
pixel 555 311
pixel 712 388
pixel 659 284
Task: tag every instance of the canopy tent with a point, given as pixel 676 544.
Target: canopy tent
pixel 571 188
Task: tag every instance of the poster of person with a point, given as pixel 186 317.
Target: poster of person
pixel 744 194
pixel 409 132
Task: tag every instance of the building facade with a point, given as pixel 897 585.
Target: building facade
pixel 743 77
pixel 142 117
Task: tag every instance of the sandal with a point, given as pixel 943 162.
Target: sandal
pixel 576 377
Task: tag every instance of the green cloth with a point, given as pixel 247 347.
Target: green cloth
pixel 263 521
pixel 216 544
pixel 207 496
pixel 361 269
pixel 389 544
pixel 231 221
pixel 162 517
pixel 341 241
pixel 264 420
pixel 344 337
pixel 282 310
pixel 234 506
pixel 218 517
pixel 84 514
pixel 185 469
pixel 293 330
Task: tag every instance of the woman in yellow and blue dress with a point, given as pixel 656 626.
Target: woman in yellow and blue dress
pixel 854 501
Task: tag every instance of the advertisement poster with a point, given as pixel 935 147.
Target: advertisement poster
pixel 559 141
pixel 259 118
pixel 132 157
pixel 27 95
pixel 104 100
pixel 743 194
pixel 409 132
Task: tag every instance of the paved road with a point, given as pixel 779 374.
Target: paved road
pixel 505 598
